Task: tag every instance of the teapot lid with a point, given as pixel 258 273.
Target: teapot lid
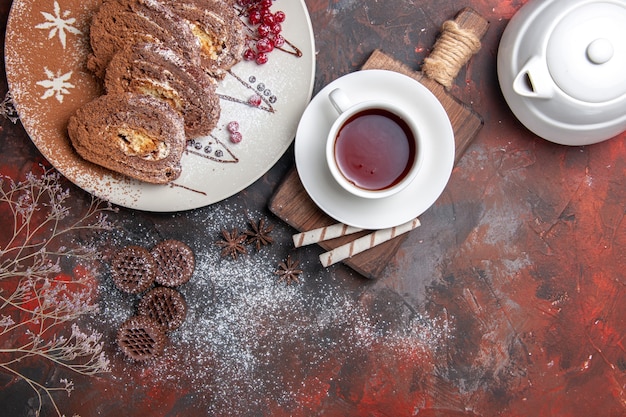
pixel 586 52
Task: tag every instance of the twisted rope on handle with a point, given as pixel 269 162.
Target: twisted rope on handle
pixel 452 50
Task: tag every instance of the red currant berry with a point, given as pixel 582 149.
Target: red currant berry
pixel 264 45
pixel 255 100
pixel 278 41
pixel 276 28
pixel 268 19
pixel 262 58
pixel 249 54
pixel 263 30
pixel 255 17
pixel 233 127
pixel 280 16
pixel 266 4
pixel 236 137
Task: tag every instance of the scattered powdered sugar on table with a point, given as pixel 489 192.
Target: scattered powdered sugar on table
pixel 250 340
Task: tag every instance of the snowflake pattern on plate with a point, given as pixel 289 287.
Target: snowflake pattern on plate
pixel 58 23
pixel 57 85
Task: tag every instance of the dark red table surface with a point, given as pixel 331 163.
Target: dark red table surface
pixel 510 300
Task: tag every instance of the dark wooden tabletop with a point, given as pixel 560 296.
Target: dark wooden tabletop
pixel 509 300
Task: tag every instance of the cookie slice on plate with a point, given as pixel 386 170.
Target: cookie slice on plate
pixel 219 30
pixel 119 23
pixel 154 69
pixel 136 135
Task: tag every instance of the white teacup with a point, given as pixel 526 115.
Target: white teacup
pixel 373 149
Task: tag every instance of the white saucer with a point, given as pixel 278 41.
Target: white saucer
pixel 438 148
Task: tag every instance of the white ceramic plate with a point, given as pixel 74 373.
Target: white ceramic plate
pixel 438 148
pixel 46 48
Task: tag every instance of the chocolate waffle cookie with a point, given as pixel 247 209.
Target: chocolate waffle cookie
pixel 133 269
pixel 141 338
pixel 165 306
pixel 175 262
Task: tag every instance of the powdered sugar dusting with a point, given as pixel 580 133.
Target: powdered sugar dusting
pixel 242 322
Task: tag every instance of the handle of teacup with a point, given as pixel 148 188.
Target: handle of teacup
pixel 339 100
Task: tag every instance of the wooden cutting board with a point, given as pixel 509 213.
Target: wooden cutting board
pixel 292 204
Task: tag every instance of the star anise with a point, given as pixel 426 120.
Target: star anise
pixel 288 271
pixel 259 233
pixel 232 243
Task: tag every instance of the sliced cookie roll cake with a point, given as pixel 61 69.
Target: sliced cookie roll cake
pixel 119 23
pixel 218 28
pixel 157 70
pixel 136 135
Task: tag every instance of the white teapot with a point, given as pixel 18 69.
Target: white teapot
pixel 562 69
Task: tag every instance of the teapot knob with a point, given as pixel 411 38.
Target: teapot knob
pixel 534 79
pixel 600 51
